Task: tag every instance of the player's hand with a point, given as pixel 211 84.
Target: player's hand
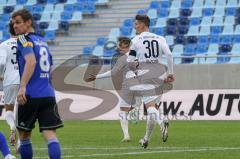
pixel 1 78
pixel 90 78
pixel 21 97
pixel 170 78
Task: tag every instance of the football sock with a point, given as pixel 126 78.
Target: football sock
pixel 26 151
pixel 124 123
pixel 54 149
pixel 3 145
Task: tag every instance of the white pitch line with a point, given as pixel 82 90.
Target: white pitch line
pixel 150 152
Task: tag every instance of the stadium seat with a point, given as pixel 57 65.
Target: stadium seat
pixel 38 8
pixel 21 2
pixel 217 21
pixel 211 60
pixel 219 12
pixel 192 39
pixel 141 11
pixel 189 50
pixel 186 4
pixel 49 35
pixel 154 5
pixel 204 30
pixel 36 16
pixel 18 7
pixel 227 39
pixel 71 2
pixel 128 23
pixel 163 13
pixel 172 21
pixel 209 4
pixel 51 1
pixel 114 34
pixel 237 30
pixel 77 16
pixel 66 16
pixel 184 21
pixel 232 3
pixel 53 25
pixel 56 16
pixel 230 11
pixel 236 49
pixel 48 8
pixel 3 2
pixel 185 12
pixel 59 8
pixel 46 17
pixel 161 22
pixel 171 30
pixel 5 17
pixel 220 3
pixel 169 39
pixel 165 4
pixel 214 39
pixel 160 31
pixel 227 30
pixel 43 25
pixel 152 13
pixel 195 21
pixel 235 60
pixel 177 50
pixel 41 1
pixel 206 21
pixel 198 4
pixel 173 13
pixel 229 20
pixel 126 31
pixel 87 50
pixel 11 2
pixel 64 25
pixel 193 31
pixel 69 8
pixel 176 4
pixel 208 12
pixel 180 39
pixel 213 49
pixel 102 2
pixel 98 51
pixel 182 30
pixel 101 41
pixel 31 2
pixel 236 39
pixel 203 40
pixel 225 48
pixel 216 30
pixel 196 12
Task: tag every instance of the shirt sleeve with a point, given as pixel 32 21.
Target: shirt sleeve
pixel 26 45
pixel 3 54
pixel 167 52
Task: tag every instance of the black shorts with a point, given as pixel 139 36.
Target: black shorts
pixel 44 110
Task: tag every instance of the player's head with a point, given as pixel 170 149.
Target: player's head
pixel 11 29
pixel 142 23
pixel 22 21
pixel 124 44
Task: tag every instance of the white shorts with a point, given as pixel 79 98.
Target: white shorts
pixel 10 93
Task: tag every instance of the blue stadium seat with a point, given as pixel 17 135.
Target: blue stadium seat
pixel 5 17
pixel 141 11
pixel 36 16
pixel 18 7
pixel 190 50
pixel 108 53
pixel 126 31
pixel 165 4
pixel 187 4
pixel 48 8
pixel 56 16
pixel 31 2
pixel 43 25
pixel 184 21
pixel 169 39
pixel 160 31
pixel 50 35
pixel 209 4
pixel 219 12
pixel 228 30
pixel 3 25
pixel 216 30
pixel 177 50
pixel 235 60
pixel 41 1
pixel 198 4
pixel 227 39
pixel 195 21
pixel 192 39
pixel 8 9
pixel 208 12
pixel 114 34
pixel 182 30
pixel 21 2
pixel 98 51
pixel 128 23
pixel 11 2
pixel 236 39
pixel 220 3
pixel 87 50
pixel 206 21
pixel 176 4
pixel 180 39
pixel 203 40
pixel 101 41
pixel 214 39
pixel 51 1
pixel 152 13
pixel 64 25
pixel 217 21
pixel 201 49
pixel 46 17
pixel 193 31
pixel 59 8
pixel 173 13
pixel 30 8
pixel 185 12
pixel 77 16
pixel 172 21
pixel 38 8
pixel 69 8
pixel 231 11
pixel 66 16
pixel 211 60
pixel 171 30
pixel 163 13
pixel 154 5
pixel 237 30
pixel 71 2
pixel 225 48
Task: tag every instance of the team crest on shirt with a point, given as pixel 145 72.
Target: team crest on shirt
pixel 26 44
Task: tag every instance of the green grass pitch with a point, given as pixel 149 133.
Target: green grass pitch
pixel 102 140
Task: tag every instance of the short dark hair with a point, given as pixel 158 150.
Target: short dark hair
pixel 11 29
pixel 24 13
pixel 124 41
pixel 143 18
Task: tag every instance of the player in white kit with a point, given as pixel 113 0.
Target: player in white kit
pixel 149 48
pixel 10 77
pixel 121 72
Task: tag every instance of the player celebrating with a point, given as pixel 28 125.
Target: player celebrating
pixel 148 49
pixel 10 77
pixel 119 71
pixel 36 96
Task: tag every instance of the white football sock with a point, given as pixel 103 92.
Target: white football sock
pixel 9 116
pixel 124 123
pixel 153 113
pixel 149 129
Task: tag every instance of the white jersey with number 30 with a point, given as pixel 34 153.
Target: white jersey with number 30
pixel 150 47
pixel 8 57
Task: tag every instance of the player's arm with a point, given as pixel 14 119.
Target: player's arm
pixel 3 61
pixel 30 64
pixel 165 48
